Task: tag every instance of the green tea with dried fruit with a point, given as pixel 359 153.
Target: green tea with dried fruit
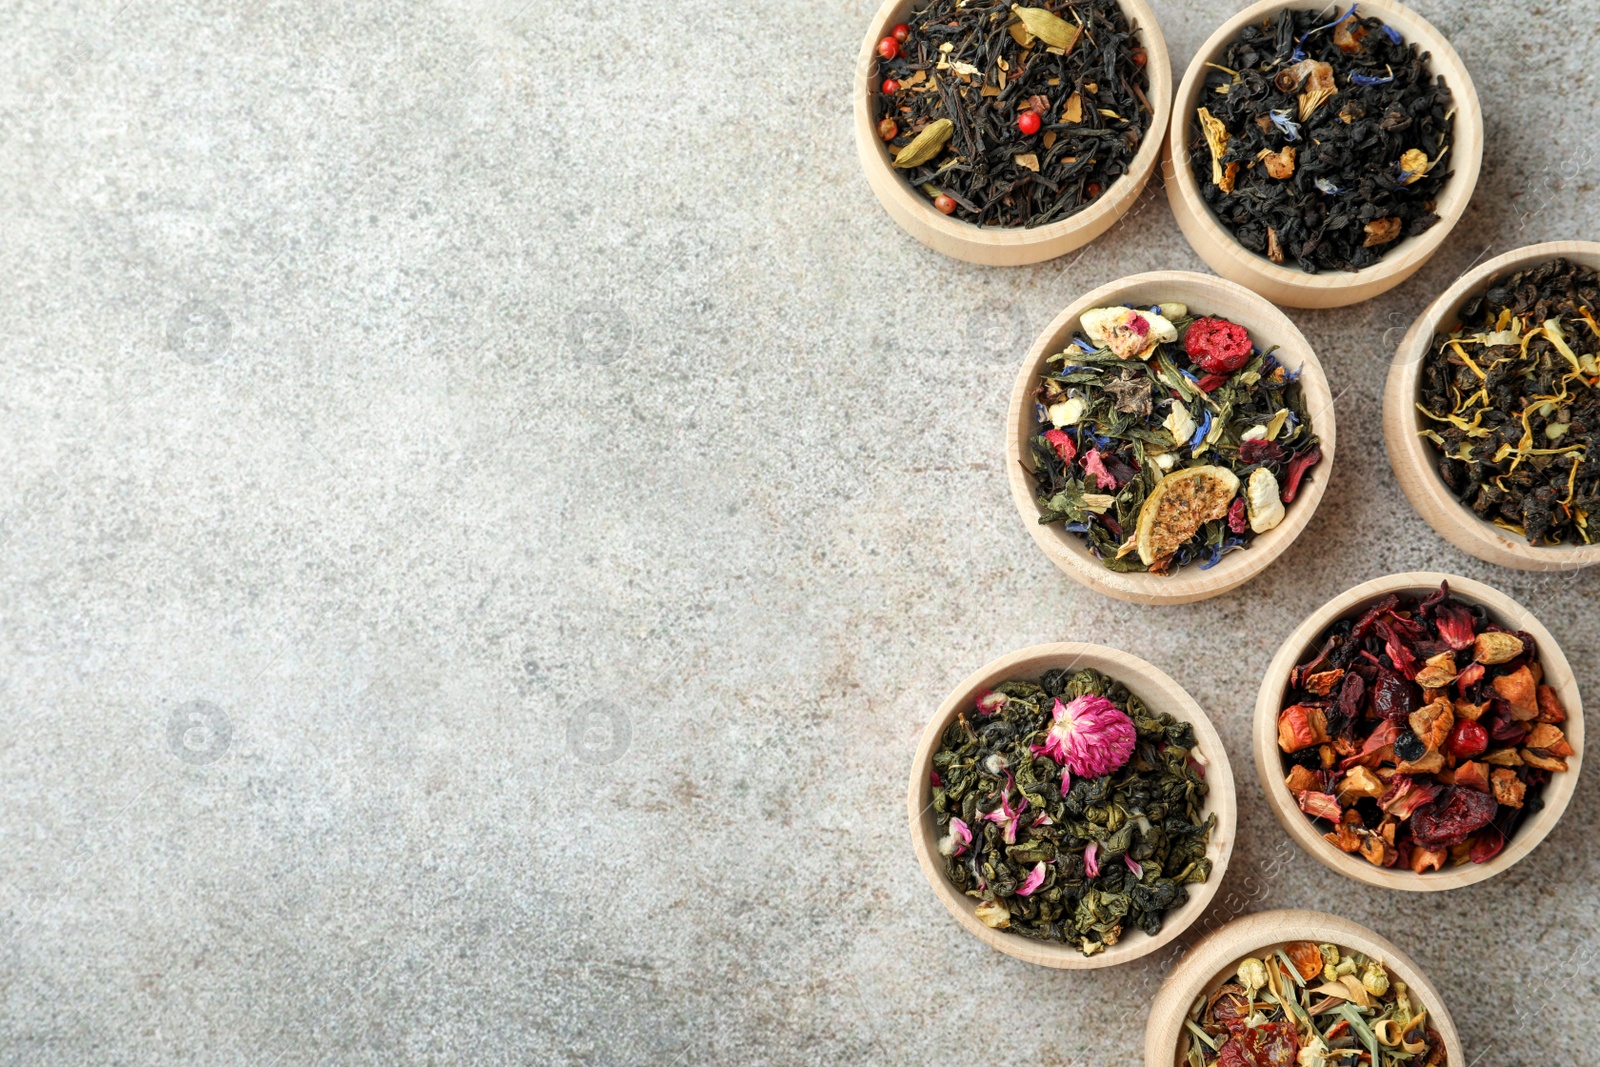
pixel 1167 439
pixel 1070 811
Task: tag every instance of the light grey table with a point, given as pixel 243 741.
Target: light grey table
pixel 490 501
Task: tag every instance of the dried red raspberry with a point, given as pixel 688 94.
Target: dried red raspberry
pixel 1062 444
pixel 1217 346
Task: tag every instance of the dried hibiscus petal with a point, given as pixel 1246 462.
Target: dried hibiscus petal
pixel 1297 470
pixel 1451 817
pixel 1455 624
pixel 1260 451
pixel 1238 520
pixel 1372 615
pixel 1392 697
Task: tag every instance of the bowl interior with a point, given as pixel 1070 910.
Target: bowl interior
pixel 1419 457
pixel 1112 202
pixel 1161 694
pixel 1268 326
pixel 1465 158
pixel 1215 961
pixel 1301 646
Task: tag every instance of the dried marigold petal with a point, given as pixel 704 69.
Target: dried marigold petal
pixel 1306 957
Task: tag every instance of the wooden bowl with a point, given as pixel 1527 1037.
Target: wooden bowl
pixel 1160 694
pixel 994 245
pixel 1289 285
pixel 1212 296
pixel 1415 460
pixel 1298 648
pixel 1216 957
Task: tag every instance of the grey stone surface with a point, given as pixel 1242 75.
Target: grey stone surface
pixel 491 500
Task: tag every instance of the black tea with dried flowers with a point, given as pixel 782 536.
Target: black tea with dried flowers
pixel 1511 402
pixel 1070 811
pixel 1006 115
pixel 1322 143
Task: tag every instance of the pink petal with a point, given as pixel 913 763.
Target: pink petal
pixel 961 830
pixel 1133 865
pixel 990 702
pixel 1034 880
pixel 1093 464
pixel 1044 819
pixel 1066 781
pixel 937 781
pixel 1091 861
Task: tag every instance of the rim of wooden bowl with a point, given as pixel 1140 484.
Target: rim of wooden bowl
pixel 1159 693
pixel 994 245
pixel 1290 285
pixel 1412 458
pixel 1216 957
pixel 1268 326
pixel 1296 648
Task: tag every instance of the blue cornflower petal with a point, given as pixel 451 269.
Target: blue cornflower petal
pixel 1213 557
pixel 1192 379
pixel 1328 187
pixel 1201 431
pixel 1367 79
pixel 1085 345
pixel 1394 34
pixel 1286 126
pixel 1076 527
pixel 1155 309
pixel 1040 413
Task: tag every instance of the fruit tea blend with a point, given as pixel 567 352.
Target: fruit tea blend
pixel 1304 1003
pixel 1421 733
pixel 1166 439
pixel 1511 401
pixel 1321 144
pixel 1006 115
pixel 1070 811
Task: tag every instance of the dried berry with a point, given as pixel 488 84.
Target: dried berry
pixel 1467 739
pixel 1217 345
pixel 1409 747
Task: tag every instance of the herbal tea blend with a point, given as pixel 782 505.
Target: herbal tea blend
pixel 1512 402
pixel 1166 439
pixel 1421 733
pixel 1321 143
pixel 1007 115
pixel 1307 1003
pixel 1070 811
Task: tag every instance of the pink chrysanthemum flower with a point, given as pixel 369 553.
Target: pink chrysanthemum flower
pixel 1090 736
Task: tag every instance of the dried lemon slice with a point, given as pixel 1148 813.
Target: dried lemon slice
pixel 1179 505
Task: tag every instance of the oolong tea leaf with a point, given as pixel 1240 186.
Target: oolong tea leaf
pixel 1055 855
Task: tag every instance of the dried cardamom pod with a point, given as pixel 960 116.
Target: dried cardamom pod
pixel 1051 29
pixel 925 145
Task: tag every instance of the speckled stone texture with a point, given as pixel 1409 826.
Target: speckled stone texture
pixel 490 502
